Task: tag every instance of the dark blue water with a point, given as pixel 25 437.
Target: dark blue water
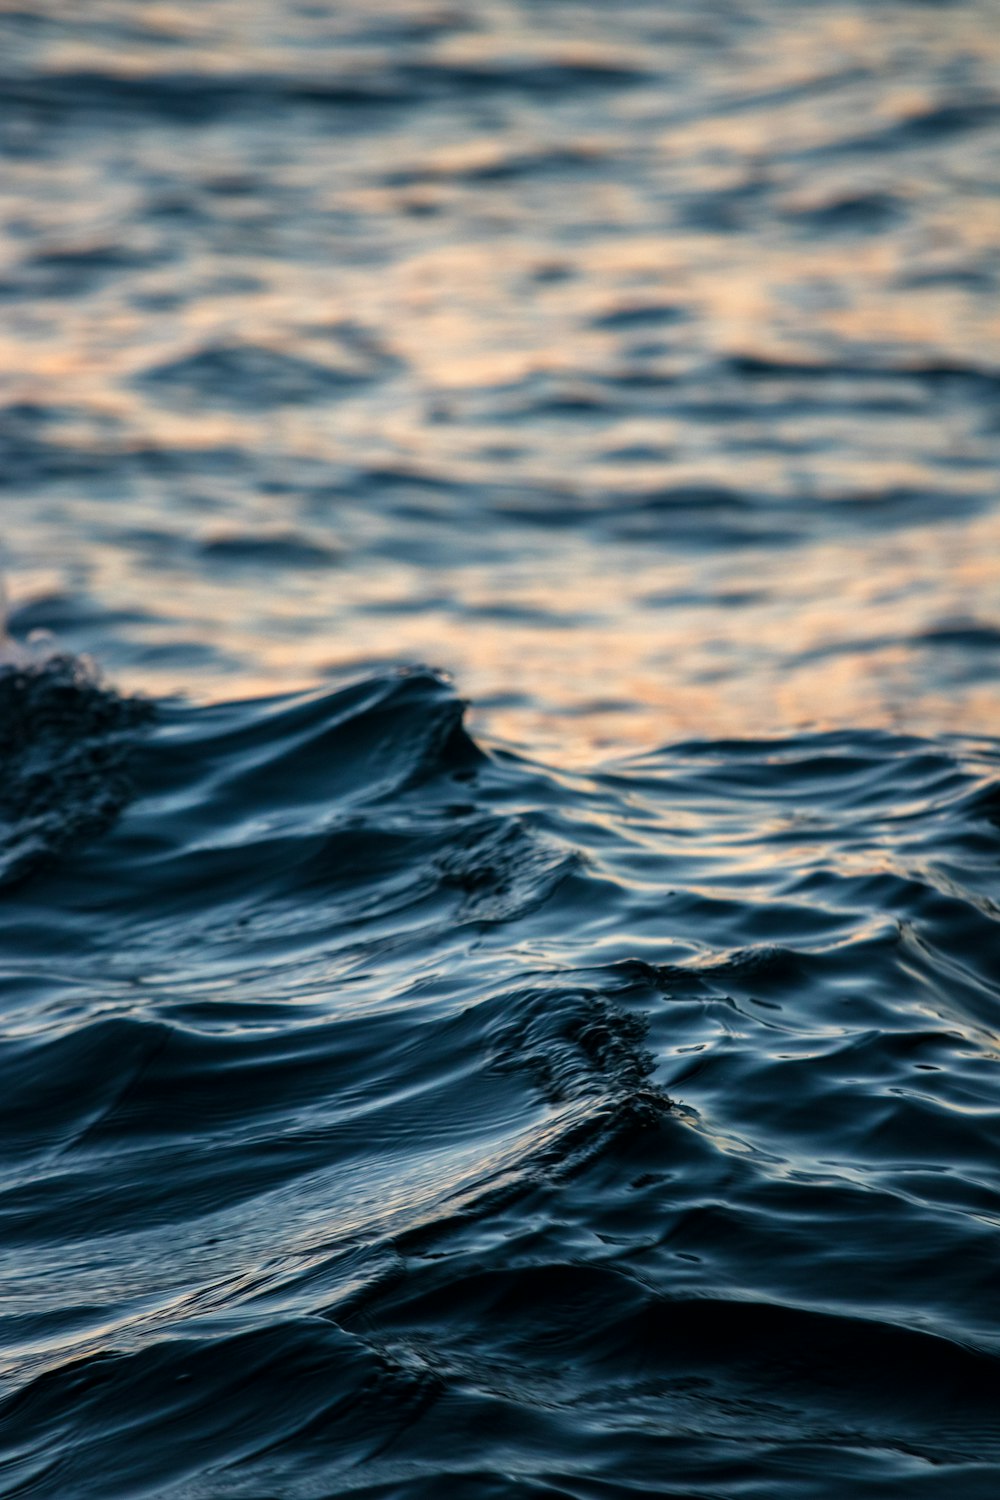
pixel 591 1089
pixel 385 1114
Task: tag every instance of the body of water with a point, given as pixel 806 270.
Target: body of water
pixel 500 733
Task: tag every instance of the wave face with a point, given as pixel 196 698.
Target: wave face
pixel 412 1102
pixel 388 1115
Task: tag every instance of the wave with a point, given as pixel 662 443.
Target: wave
pixel 379 1105
pixel 196 97
pixel 64 746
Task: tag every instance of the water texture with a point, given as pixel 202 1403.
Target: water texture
pixel 589 1089
pixel 516 338
pixel 384 1115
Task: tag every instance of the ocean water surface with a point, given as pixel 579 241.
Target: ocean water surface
pixel 500 746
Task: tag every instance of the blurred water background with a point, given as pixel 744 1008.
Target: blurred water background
pixel 591 1092
pixel 638 364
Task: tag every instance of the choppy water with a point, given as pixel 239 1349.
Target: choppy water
pixel 410 1100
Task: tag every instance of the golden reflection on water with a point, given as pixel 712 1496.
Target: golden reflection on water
pixel 595 669
pixel 459 271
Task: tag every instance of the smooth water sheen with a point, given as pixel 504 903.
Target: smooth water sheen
pixel 384 1115
pixel 406 1100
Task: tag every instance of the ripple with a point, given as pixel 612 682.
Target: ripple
pixel 390 1107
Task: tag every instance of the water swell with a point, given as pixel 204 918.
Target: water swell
pixel 370 1149
pixel 65 743
pixel 382 1110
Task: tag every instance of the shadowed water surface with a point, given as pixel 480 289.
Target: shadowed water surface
pixel 406 1100
pixel 386 1114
